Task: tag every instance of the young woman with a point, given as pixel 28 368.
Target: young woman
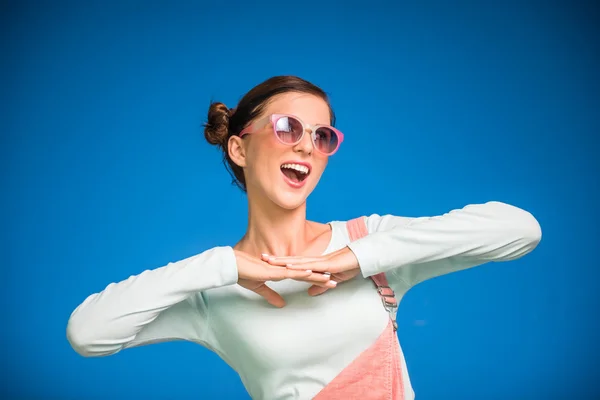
pixel 299 309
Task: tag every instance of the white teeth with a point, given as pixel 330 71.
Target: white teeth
pixel 297 167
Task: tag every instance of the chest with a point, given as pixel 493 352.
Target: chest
pixel 340 323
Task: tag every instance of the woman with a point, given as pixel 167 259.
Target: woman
pixel 290 306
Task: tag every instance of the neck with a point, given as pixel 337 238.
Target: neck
pixel 276 231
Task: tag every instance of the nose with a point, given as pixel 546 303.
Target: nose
pixel 305 145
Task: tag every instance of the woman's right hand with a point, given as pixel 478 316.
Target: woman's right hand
pixel 254 272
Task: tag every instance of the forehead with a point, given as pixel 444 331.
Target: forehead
pixel 309 108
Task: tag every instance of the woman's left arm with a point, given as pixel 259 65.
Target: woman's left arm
pixel 417 249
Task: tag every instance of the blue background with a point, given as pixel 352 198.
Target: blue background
pixel 106 173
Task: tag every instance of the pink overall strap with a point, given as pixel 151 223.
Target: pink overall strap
pixel 376 373
pixel 357 228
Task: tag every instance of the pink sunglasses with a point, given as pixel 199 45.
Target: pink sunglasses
pixel 290 130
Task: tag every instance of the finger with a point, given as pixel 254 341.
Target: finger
pixel 277 273
pixel 315 290
pixel 283 261
pixel 317 277
pixel 304 274
pixel 328 284
pixel 316 266
pixel 319 280
pixel 270 295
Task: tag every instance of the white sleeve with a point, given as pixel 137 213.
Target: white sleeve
pixel 416 249
pixel 155 306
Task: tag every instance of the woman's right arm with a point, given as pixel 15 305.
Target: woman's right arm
pixel 155 306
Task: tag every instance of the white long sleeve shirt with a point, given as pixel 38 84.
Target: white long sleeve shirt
pixel 295 351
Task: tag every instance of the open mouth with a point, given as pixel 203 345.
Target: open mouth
pixel 296 173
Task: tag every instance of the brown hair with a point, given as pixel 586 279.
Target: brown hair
pixel 222 122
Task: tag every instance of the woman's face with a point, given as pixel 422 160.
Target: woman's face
pixel 269 164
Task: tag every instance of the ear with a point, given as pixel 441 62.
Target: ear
pixel 237 150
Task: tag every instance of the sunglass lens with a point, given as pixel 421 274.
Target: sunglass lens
pixel 326 140
pixel 289 130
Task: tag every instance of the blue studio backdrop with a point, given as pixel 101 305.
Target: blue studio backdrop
pixel 106 173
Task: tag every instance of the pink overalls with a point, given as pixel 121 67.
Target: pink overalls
pixel 376 373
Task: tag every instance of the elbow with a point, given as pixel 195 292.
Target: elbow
pixel 528 232
pixel 532 230
pixel 84 342
pixel 524 227
pixel 79 340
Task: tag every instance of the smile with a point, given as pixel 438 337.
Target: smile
pixel 295 173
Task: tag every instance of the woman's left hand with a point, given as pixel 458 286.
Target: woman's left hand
pixel 341 264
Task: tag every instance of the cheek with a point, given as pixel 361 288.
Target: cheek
pixel 260 157
pixel 319 167
pixel 263 147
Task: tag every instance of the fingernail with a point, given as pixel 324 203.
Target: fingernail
pixel 332 283
pixel 309 271
pixel 264 255
pixel 288 265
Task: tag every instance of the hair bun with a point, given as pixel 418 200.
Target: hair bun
pixel 216 129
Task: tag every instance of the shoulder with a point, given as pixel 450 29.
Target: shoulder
pixel 377 222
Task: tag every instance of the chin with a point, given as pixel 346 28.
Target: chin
pixel 290 198
pixel 287 191
pixel 289 201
